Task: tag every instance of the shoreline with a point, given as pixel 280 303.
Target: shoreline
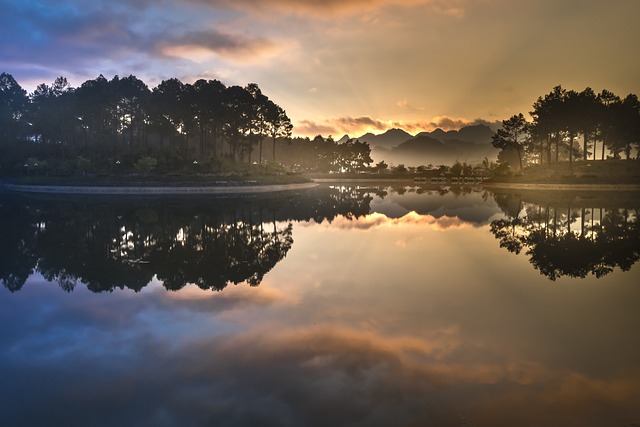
pixel 151 190
pixel 487 184
pixel 562 187
pixel 272 188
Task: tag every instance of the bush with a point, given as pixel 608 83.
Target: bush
pixel 400 169
pixel 82 164
pixel 503 169
pixel 146 164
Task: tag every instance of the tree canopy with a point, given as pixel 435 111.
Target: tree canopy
pixel 107 126
pixel 567 125
pixel 121 120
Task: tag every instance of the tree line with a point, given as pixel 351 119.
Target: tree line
pixel 321 154
pixel 567 125
pixel 105 124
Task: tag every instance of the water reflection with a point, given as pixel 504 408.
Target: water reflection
pixel 571 235
pixel 125 246
pixel 108 244
pixel 388 308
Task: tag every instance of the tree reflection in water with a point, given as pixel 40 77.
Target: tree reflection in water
pixel 107 249
pixel 109 244
pixel 569 235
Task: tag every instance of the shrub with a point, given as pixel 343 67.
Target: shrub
pixel 146 164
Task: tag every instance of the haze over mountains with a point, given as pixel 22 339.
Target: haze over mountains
pixel 470 144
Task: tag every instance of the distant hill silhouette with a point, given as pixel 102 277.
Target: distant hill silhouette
pixel 479 134
pixel 344 139
pixel 423 144
pixel 388 139
pixel 470 144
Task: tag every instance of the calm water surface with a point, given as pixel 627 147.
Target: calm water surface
pixel 338 306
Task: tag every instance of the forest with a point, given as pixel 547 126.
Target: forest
pixel 567 125
pixel 120 125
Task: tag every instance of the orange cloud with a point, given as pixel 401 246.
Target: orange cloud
pixel 437 378
pixel 405 105
pixel 357 126
pixel 312 128
pixel 321 8
pixel 362 122
pixel 443 122
pixel 237 296
pixel 376 220
pixel 341 125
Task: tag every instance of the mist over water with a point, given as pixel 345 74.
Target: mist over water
pixel 341 305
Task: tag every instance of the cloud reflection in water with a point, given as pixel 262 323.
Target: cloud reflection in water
pixel 446 329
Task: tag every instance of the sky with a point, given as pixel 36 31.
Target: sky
pixel 338 66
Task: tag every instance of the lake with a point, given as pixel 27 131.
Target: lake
pixel 343 305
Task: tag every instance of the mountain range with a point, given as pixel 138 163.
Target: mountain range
pixel 470 144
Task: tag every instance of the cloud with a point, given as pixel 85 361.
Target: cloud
pixel 448 123
pixel 340 126
pixel 162 363
pixel 202 44
pixel 405 105
pixel 242 297
pixel 376 220
pixel 311 128
pixel 118 37
pixel 364 122
pixel 313 377
pixel 443 122
pixel 320 8
pixel 357 126
pixel 79 43
pixel 34 36
pixel 292 377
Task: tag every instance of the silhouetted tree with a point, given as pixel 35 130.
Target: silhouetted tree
pixel 114 123
pixel 514 134
pixel 13 104
pixel 278 124
pixel 547 126
pixel 608 102
pixel 588 119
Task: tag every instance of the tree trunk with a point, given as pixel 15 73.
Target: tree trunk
pixel 585 145
pixel 571 137
pixel 519 158
pixel 274 148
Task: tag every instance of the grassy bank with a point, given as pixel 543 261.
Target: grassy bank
pixel 174 180
pixel 580 172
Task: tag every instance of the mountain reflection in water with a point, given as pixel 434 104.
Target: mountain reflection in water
pixel 376 306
